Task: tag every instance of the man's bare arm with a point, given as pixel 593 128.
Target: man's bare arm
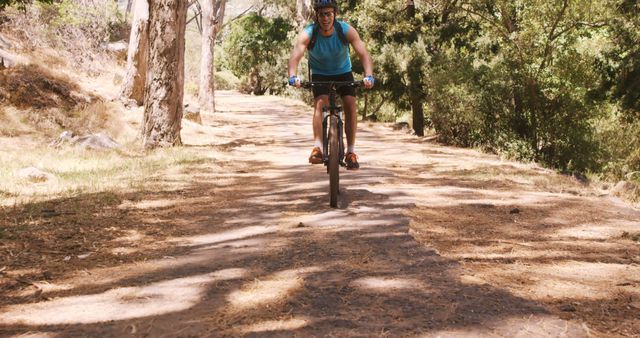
pixel 358 45
pixel 298 52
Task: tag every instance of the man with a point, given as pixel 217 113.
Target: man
pixel 329 61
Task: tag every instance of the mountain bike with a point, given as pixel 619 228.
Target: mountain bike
pixel 332 135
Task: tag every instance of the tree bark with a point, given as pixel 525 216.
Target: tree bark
pixel 212 17
pixel 411 8
pixel 418 115
pixel 304 11
pixel 416 81
pixel 134 80
pixel 164 88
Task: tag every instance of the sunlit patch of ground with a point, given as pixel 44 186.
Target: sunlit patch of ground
pixel 290 324
pixel 269 291
pixel 119 303
pixel 387 284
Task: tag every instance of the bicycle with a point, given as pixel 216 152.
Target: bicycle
pixel 332 135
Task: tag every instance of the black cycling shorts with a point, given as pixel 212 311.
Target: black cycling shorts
pixel 342 91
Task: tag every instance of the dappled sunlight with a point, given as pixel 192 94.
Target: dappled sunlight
pixel 272 289
pixel 229 235
pixel 119 303
pixel 567 279
pixel 111 275
pixel 149 204
pixel 276 325
pixel 385 234
pixel 36 334
pixel 123 251
pixel 243 243
pixel 500 252
pixel 389 284
pixel 45 287
pixel 536 325
pixel 132 236
pixel 594 232
pixel 425 239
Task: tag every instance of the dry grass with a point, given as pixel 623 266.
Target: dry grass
pixel 38 100
pixel 78 171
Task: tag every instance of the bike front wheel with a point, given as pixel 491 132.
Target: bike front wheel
pixel 334 161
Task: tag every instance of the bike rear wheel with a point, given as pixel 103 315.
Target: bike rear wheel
pixel 334 164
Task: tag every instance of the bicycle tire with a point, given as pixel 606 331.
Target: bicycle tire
pixel 334 165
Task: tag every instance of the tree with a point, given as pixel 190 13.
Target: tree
pixel 623 61
pixel 212 17
pixel 134 80
pixel 257 48
pixel 164 88
pixel 400 52
pixel 415 75
pixel 531 51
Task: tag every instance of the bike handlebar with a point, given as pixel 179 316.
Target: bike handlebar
pixel 311 84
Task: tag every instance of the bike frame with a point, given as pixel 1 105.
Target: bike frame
pixel 332 128
pixel 332 110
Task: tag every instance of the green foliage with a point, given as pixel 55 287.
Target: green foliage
pixel 619 140
pixel 621 64
pixel 514 77
pixel 256 50
pixel 225 80
pixel 21 4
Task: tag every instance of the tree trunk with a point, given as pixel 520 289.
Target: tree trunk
pixel 418 115
pixel 134 80
pixel 304 11
pixel 416 92
pixel 414 70
pixel 128 10
pixel 411 8
pixel 164 89
pixel 212 17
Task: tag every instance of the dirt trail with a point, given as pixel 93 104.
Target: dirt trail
pixel 427 241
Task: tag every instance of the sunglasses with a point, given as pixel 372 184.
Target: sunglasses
pixel 325 14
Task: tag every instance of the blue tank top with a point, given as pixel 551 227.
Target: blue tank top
pixel 329 56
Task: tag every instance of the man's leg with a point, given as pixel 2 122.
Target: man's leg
pixel 319 102
pixel 316 153
pixel 351 125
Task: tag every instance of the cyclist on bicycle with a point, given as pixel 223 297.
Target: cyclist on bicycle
pixel 328 40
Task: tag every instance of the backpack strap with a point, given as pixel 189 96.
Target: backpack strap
pixel 314 36
pixel 341 35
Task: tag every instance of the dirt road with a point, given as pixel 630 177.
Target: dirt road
pixel 427 241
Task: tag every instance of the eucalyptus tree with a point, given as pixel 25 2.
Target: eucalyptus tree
pixel 132 87
pixel 164 87
pixel 212 19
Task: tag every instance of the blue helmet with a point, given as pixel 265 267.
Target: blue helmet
pixel 317 4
